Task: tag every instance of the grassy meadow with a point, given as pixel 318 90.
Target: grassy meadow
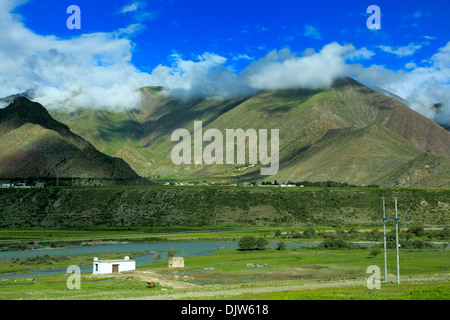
pixel 293 273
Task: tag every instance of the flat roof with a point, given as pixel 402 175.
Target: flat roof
pixel 118 260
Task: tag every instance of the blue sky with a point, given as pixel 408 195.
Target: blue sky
pixel 223 49
pixel 250 28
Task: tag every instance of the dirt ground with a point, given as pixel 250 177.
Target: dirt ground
pixel 182 289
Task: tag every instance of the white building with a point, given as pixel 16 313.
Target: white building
pixel 113 266
pixel 176 262
pixel 7 185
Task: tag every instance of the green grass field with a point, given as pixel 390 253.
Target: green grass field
pixel 294 273
pixel 269 274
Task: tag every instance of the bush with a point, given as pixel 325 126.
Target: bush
pixel 375 251
pixel 296 235
pixel 261 243
pixel 334 244
pixel 309 233
pixel 353 233
pixel 417 230
pixel 375 235
pixel 281 245
pixel 442 234
pixel 247 243
pixel 171 253
pixel 419 244
pixel 252 243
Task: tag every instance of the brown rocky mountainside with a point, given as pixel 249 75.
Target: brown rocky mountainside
pixel 34 145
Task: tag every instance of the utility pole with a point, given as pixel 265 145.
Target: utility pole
pixel 397 220
pixel 396 236
pixel 384 235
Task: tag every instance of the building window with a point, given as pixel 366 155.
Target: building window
pixel 96 267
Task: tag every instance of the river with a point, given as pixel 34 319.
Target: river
pixel 184 249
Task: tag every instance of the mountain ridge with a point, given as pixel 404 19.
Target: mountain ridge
pixel 335 127
pixel 33 145
pixel 303 117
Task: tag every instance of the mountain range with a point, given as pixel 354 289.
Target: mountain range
pixel 33 145
pixel 347 133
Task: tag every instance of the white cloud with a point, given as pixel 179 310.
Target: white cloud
pixel 208 76
pixel 361 54
pixel 242 57
pixel 421 87
pixel 312 32
pixel 411 65
pixel 138 11
pixel 404 51
pixel 93 70
pixel 130 7
pixel 284 69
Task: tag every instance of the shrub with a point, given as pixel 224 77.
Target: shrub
pixel 296 235
pixel 417 230
pixel 334 244
pixel 309 233
pixel 281 245
pixel 375 251
pixel 261 243
pixel 252 243
pixel 247 243
pixel 171 253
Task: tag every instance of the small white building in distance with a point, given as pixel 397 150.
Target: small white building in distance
pixel 113 266
pixel 176 262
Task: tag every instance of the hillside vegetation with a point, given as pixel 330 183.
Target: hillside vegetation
pixel 176 206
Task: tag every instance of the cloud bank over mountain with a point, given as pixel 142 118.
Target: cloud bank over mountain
pixel 425 88
pixel 96 70
pixel 92 70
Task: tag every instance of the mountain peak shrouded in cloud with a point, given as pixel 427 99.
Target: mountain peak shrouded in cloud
pixel 98 69
pixel 283 69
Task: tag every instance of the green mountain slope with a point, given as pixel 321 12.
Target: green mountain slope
pixel 346 133
pixel 349 155
pixel 427 170
pixel 33 145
